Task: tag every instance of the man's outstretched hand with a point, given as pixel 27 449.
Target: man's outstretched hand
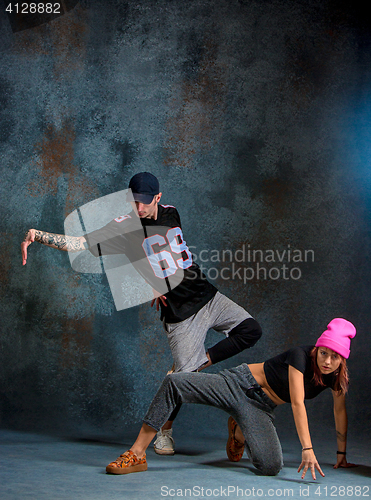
pixel 28 239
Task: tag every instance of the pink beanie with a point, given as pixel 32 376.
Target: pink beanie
pixel 337 336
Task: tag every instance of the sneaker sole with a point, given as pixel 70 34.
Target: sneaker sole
pixel 126 470
pixel 232 458
pixel 164 452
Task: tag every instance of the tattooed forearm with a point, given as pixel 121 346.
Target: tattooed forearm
pixel 341 436
pixel 76 244
pixel 61 242
pixel 54 240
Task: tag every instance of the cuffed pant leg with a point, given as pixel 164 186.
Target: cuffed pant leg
pixel 241 337
pixel 175 412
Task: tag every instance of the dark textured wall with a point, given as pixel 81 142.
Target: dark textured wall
pixel 254 115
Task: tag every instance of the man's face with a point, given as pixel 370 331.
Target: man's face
pixel 148 211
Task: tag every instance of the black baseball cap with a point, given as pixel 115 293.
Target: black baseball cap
pixel 144 187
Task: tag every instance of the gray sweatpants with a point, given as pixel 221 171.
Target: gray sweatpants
pixel 236 392
pixel 187 338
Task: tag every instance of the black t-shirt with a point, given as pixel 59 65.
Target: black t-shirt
pixel 277 373
pixel 157 253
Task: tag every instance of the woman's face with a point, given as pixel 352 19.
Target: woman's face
pixel 327 360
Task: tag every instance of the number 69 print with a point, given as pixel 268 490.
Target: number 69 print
pixel 174 237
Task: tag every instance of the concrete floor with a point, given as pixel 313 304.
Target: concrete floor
pixel 40 467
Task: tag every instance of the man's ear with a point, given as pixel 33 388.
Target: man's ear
pixel 158 197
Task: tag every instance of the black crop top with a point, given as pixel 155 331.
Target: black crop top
pixel 277 373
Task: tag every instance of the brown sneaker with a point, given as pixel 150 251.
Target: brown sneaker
pixel 235 449
pixel 126 463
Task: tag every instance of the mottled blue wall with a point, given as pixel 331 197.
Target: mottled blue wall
pixel 254 115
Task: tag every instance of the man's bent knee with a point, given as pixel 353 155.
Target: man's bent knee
pixel 246 334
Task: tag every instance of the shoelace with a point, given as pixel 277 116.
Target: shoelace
pixel 162 440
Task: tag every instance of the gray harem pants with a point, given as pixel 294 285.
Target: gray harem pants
pixel 236 392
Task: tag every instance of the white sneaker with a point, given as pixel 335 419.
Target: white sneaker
pixel 164 444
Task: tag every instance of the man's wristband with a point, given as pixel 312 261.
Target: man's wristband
pixel 304 449
pixel 341 452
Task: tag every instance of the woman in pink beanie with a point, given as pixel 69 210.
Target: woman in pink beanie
pixel 249 393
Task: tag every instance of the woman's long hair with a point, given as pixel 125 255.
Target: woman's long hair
pixel 342 377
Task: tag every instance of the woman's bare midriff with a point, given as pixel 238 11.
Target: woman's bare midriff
pixel 257 371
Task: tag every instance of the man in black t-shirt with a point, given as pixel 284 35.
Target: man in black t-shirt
pixel 160 255
pixel 190 305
